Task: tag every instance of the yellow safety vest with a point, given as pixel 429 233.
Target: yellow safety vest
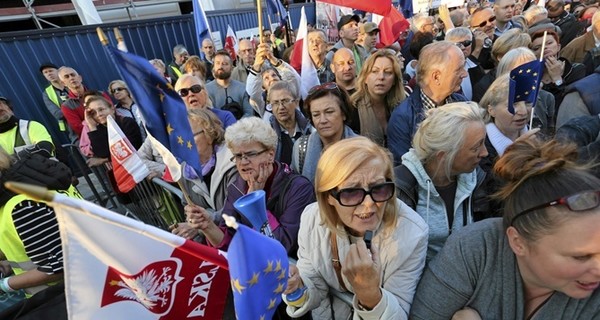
pixel 55 99
pixel 177 71
pixel 10 242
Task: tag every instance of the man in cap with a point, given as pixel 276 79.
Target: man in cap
pixel 348 32
pixel 368 36
pixel 55 94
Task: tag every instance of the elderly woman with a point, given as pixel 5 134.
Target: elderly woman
pixel 287 120
pixel 380 89
pixel 328 107
pixel 355 195
pixel 439 177
pixel 193 92
pixel 125 106
pixel 160 67
pixel 253 142
pixel 540 261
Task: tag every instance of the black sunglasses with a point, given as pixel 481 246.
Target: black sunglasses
pixel 464 44
pixel 117 90
pixel 330 86
pixel 582 201
pixel 484 23
pixel 183 92
pixel 350 197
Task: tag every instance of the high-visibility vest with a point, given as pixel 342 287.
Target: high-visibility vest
pixel 11 244
pixel 177 71
pixel 55 99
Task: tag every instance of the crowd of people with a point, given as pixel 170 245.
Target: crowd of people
pixel 406 177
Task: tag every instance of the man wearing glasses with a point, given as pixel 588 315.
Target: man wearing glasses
pixel 483 25
pixel 568 24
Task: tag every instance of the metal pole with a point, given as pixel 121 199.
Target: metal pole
pixel 28 4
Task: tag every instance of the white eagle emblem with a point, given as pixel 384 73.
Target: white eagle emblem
pixel 147 288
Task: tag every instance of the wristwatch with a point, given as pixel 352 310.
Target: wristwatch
pixel 558 82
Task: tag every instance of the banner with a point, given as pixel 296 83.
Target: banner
pixel 128 167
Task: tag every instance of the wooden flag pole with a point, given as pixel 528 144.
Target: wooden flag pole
pixel 260 22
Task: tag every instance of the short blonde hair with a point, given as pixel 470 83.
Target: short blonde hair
pixel 513 59
pixel 337 164
pixel 510 39
pixel 248 130
pixel 119 82
pixel 497 93
pixel 209 121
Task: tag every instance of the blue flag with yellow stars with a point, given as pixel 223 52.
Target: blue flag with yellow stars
pixel 258 267
pixel 164 112
pixel 524 84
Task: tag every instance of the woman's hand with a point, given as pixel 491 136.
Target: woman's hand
pixel 261 55
pixel 198 218
pixel 184 230
pixel 258 183
pixel 294 281
pixel 89 119
pixel 362 268
pixel 528 134
pixel 554 68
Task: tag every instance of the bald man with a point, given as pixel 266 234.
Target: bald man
pixel 344 68
pixel 247 54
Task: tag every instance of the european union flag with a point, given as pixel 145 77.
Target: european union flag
pixel 258 267
pixel 202 27
pixel 163 110
pixel 524 84
pixel 276 8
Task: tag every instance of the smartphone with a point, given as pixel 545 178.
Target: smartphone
pixel 368 238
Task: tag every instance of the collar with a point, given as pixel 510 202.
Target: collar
pixel 429 104
pixel 9 124
pixel 509 25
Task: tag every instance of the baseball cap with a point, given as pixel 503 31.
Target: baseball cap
pixel 46 65
pixel 344 20
pixel 369 27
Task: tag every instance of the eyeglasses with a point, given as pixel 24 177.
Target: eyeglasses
pixel 283 103
pixel 464 44
pixel 350 197
pixel 183 92
pixel 326 86
pixel 484 23
pixel 117 90
pixel 582 201
pixel 198 133
pixel 246 156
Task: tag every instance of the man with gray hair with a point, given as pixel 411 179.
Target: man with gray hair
pixel 420 22
pixel 440 71
pixel 180 56
pixel 567 22
pixel 247 54
pixel 579 47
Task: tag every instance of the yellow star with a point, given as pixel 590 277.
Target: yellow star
pixel 272 304
pixel 254 279
pixel 262 317
pixel 113 283
pixel 180 140
pixel 237 286
pixel 281 276
pixel 169 86
pixel 269 267
pixel 526 92
pixel 169 129
pixel 535 74
pixel 161 96
pixel 189 145
pixel 279 289
pixel 532 87
pixel 528 70
pixel 278 266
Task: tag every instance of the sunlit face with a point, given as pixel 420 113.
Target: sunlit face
pixel 51 74
pixel 452 74
pixel 349 31
pixel 484 16
pixel 249 166
pixel 508 123
pixel 284 105
pixel 344 66
pixel 381 78
pixel 461 44
pixel 204 145
pixel 504 10
pixel 568 259
pixel 368 214
pixel 247 52
pixel 327 117
pixel 194 100
pixel 429 26
pixel 119 91
pixel 317 46
pixel 472 150
pixel 100 110
pixel 5 112
pixel 70 78
pixel 182 57
pixel 552 46
pixel 208 47
pixel 222 67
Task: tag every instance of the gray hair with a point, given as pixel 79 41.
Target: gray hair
pixel 533 12
pixel 459 33
pixel 433 56
pixel 496 94
pixel 513 59
pixel 179 49
pixel 450 120
pixel 248 130
pixel 290 87
pixel 418 20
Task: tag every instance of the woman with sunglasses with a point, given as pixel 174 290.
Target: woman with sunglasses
pixel 328 109
pixel 125 106
pixel 379 90
pixel 355 199
pixel 252 142
pixel 540 261
pixel 440 177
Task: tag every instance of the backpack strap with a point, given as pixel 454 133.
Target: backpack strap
pixel 302 147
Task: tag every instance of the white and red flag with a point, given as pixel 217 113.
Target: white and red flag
pixel 128 167
pixel 300 59
pixel 391 26
pixel 173 170
pixel 118 268
pixel 231 43
pixel 381 7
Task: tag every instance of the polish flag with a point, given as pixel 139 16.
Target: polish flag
pixel 391 26
pixel 128 167
pixel 231 43
pixel 118 268
pixel 173 171
pixel 301 61
pixel 381 7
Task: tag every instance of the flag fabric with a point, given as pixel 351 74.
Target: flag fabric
pixel 231 43
pixel 301 61
pixel 381 7
pixel 392 26
pixel 258 266
pixel 128 167
pixel 173 171
pixel 162 108
pixel 202 27
pixel 524 83
pixel 118 268
pixel 276 8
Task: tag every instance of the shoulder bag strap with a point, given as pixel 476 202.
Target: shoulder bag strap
pixel 337 265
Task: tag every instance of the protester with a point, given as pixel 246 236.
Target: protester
pixel 180 55
pixel 347 28
pixel 355 195
pixel 125 106
pixel 576 50
pixel 194 95
pixel 196 67
pixel 252 142
pixel 328 109
pixel 54 94
pixel 540 261
pixel 439 177
pixel 463 38
pixel 343 67
pixel 208 48
pixel 225 93
pixel 247 55
pixel 581 99
pixel 16 134
pixel 160 67
pixel 317 49
pixel 504 12
pixel 380 90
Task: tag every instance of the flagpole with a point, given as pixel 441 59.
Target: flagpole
pixel 36 192
pixel 260 22
pixel 541 59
